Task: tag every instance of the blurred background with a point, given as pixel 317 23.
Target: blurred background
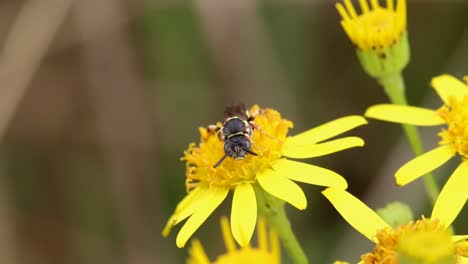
pixel 98 100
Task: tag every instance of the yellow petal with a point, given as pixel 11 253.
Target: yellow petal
pixel 194 222
pixel 196 202
pixel 342 11
pixel 197 254
pixel 459 238
pixel 453 196
pixel 283 188
pixel 404 114
pixel 186 207
pixel 188 199
pixel 447 85
pixel 390 5
pixel 462 260
pixel 243 213
pixel 321 149
pixel 355 212
pixel 423 164
pixel 227 235
pixel 364 6
pixel 350 8
pixel 327 130
pixel 311 174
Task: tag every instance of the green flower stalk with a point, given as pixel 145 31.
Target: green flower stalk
pixel 381 39
pixel 272 209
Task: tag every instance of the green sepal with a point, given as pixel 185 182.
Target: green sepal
pixel 379 62
pixel 396 213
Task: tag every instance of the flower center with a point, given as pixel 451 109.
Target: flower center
pixel 267 143
pixel 377 21
pixel 461 248
pixel 455 115
pixel 377 27
pixel 386 250
pixel 427 247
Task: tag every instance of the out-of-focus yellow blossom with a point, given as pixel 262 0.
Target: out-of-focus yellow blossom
pixel 390 242
pixel 426 246
pixel 267 252
pixel 454 140
pixel 379 33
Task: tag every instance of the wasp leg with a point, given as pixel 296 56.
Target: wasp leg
pixel 257 127
pixel 215 129
pixel 254 114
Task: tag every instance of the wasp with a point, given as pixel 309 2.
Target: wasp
pixel 236 132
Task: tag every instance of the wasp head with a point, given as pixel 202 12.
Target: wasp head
pixel 237 147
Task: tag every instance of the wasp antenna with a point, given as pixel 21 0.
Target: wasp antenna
pixel 221 160
pixel 250 152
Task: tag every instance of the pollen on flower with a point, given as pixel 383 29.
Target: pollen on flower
pixel 267 144
pixel 461 248
pixel 455 115
pixel 377 27
pixel 427 247
pixel 388 239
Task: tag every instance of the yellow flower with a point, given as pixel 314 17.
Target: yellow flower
pixel 379 33
pixel 454 139
pixel 393 241
pixel 421 245
pixel 270 171
pixel 376 27
pixel 268 251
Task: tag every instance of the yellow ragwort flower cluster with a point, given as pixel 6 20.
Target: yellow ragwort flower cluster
pixel 388 240
pixel 410 239
pixel 267 252
pixel 271 171
pixel 455 115
pixel 454 137
pixel 377 26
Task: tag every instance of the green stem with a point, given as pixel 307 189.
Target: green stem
pixel 395 88
pixel 272 209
